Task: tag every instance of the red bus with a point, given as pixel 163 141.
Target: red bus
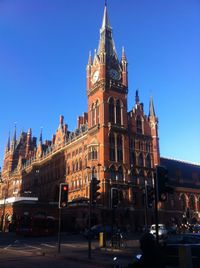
pixel 36 225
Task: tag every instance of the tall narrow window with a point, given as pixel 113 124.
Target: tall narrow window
pixel 97 113
pixel 192 202
pixel 132 152
pixel 140 160
pixel 120 173
pixel 111 110
pixel 183 202
pixel 80 164
pixel 112 147
pixel 119 149
pixel 148 161
pixel 93 115
pixel 118 113
pixel 139 125
pixel 112 173
pixel 92 155
pixel 198 204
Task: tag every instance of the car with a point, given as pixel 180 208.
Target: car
pixel 162 231
pixel 181 239
pixel 196 228
pixel 171 230
pixel 175 242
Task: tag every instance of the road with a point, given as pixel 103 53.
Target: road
pixel 43 262
pixel 43 252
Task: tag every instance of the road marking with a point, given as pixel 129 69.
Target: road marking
pixel 47 245
pixel 28 246
pixel 70 245
pixel 8 246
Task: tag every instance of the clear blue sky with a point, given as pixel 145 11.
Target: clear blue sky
pixel 44 48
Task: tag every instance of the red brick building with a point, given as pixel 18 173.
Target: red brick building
pixel 117 146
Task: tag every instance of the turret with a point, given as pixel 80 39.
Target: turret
pixel 13 143
pixel 153 122
pixel 28 142
pixel 124 65
pixel 8 144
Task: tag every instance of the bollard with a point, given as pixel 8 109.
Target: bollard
pixel 101 240
pixel 185 257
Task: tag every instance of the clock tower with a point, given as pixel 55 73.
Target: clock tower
pixel 107 90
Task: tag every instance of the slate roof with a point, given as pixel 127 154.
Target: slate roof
pixel 182 174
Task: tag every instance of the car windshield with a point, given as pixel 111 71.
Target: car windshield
pixel 153 227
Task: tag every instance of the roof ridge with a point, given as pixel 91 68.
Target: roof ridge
pixel 181 161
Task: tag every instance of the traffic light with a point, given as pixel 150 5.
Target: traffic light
pixel 162 180
pixel 114 197
pixel 63 195
pixel 94 188
pixel 150 196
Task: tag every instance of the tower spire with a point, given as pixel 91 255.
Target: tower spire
pixel 13 143
pixel 90 59
pixel 8 143
pixel 106 43
pixel 105 22
pixel 123 54
pixel 14 135
pixel 151 108
pixel 137 100
pixel 40 139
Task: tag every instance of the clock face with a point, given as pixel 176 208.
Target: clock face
pixel 95 76
pixel 114 74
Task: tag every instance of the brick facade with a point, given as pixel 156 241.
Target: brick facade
pixel 119 147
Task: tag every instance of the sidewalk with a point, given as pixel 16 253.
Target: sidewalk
pixel 102 257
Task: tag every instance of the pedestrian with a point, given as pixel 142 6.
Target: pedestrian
pixel 151 253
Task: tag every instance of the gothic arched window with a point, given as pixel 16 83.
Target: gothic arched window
pixel 111 111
